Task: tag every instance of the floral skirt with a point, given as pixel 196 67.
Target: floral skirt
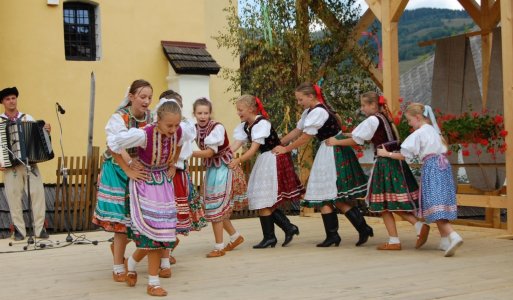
pixel 392 186
pixel 190 214
pixel 336 176
pixel 110 211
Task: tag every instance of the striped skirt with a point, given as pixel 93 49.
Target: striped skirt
pixel 224 190
pixel 438 191
pixel 392 186
pixel 153 212
pixel 110 211
pixel 190 214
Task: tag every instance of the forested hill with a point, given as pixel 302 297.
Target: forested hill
pixel 426 24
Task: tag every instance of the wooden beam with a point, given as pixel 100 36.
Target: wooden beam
pixel 473 10
pixel 389 35
pixel 507 82
pixel 482 201
pixel 375 7
pixel 434 41
pixel 397 7
pixel 363 24
pixel 494 14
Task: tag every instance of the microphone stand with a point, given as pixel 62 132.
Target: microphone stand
pixel 64 172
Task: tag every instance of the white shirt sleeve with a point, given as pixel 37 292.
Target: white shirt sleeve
pixel 365 130
pixel 261 131
pixel 215 138
pixel 313 120
pixel 410 147
pixel 27 117
pixel 119 137
pixel 239 134
pixel 188 131
pixel 301 122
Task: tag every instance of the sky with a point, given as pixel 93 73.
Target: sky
pixel 413 4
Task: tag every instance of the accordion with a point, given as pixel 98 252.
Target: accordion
pixel 27 140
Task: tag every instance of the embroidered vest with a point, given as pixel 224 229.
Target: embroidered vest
pixel 224 153
pixel 330 127
pixel 269 142
pixel 384 135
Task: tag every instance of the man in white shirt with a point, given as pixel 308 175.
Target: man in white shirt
pixel 15 177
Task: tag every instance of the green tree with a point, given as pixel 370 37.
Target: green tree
pixel 276 55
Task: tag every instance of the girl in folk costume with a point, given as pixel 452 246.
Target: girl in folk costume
pixel 438 191
pixel 190 214
pixel 152 200
pixel 273 180
pixel 224 189
pixel 336 176
pixel 392 186
pixel 110 212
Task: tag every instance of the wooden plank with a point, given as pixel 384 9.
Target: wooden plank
pixel 375 7
pixel 494 15
pixel 473 9
pixel 58 198
pixel 482 201
pixel 389 35
pixel 507 79
pixel 73 196
pixel 397 8
pixel 81 211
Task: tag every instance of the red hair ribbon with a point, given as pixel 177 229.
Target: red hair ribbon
pixel 318 93
pixel 261 108
pixel 381 100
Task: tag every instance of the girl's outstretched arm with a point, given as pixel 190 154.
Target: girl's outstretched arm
pixel 207 153
pixel 393 155
pixel 333 141
pixel 302 140
pixel 291 136
pixel 246 156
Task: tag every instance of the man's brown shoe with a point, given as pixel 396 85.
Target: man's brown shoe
pixel 387 246
pixel 232 245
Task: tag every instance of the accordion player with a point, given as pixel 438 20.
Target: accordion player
pixel 26 140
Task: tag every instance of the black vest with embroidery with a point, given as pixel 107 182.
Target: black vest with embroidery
pixel 384 135
pixel 330 127
pixel 269 142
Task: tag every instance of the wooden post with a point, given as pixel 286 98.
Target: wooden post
pixel 507 80
pixel 91 116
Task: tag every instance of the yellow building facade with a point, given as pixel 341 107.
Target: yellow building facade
pixel 129 35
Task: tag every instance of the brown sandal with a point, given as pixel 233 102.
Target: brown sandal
pixel 156 290
pixel 121 277
pixel 131 278
pixel 387 246
pixel 215 253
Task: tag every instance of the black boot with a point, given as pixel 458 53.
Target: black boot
pixel 283 222
pixel 356 218
pixel 331 227
pixel 268 229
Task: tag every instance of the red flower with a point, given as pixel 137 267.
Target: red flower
pixel 397 120
pixel 484 142
pixel 400 100
pixel 344 128
pixel 400 113
pixel 359 154
pixel 498 119
pixel 503 148
pixel 464 145
pixel 478 152
pixel 475 114
pixel 465 152
pixel 503 133
pixel 491 150
pixel 449 152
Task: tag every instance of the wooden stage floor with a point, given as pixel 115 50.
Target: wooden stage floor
pixel 481 269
